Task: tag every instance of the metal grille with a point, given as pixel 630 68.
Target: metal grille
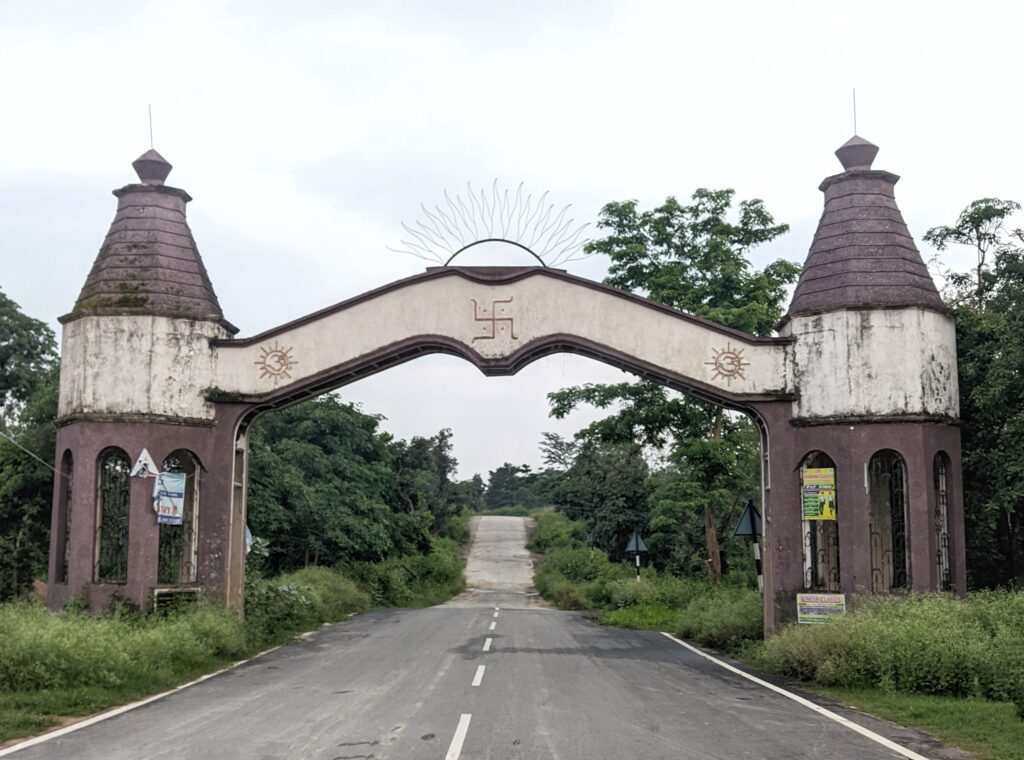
pixel 821 542
pixel 66 471
pixel 942 523
pixel 176 560
pixel 821 548
pixel 112 520
pixel 898 506
pixel 888 521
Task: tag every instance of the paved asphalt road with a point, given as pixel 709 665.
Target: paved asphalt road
pixel 536 683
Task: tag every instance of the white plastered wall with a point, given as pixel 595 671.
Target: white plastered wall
pixel 868 362
pixel 137 365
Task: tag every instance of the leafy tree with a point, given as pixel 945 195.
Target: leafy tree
pixel 519 486
pixel 988 307
pixel 505 485
pixel 981 226
pixel 28 407
pixel 423 475
pixel 607 488
pixel 707 478
pixel 694 258
pixel 469 494
pixel 558 452
pixel 327 486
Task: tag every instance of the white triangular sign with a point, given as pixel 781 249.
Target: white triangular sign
pixel 145 467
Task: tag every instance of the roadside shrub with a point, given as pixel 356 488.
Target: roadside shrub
pixel 927 644
pixel 1018 695
pixel 333 596
pixel 723 617
pixel 417 580
pixel 726 615
pixel 456 527
pixel 577 565
pixel 46 650
pixel 554 530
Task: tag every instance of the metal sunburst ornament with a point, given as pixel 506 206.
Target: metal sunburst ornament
pixel 500 217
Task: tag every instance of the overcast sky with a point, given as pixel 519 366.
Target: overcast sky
pixel 308 131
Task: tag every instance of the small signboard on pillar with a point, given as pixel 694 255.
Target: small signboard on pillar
pixel 819 608
pixel 636 546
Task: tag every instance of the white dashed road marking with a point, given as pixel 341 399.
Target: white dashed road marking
pixel 479 677
pixel 455 748
pixel 487 644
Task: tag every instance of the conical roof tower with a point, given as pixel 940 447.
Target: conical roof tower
pixel 149 263
pixel 862 254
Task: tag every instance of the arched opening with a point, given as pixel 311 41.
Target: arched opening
pixel 420 348
pixel 887 489
pixel 63 526
pixel 941 468
pixel 112 503
pixel 177 555
pixel 819 511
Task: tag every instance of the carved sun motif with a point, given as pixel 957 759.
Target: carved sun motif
pixel 727 363
pixel 275 361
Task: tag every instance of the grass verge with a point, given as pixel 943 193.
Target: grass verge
pixel 989 730
pixel 55 666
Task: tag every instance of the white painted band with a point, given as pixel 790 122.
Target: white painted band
pixel 487 644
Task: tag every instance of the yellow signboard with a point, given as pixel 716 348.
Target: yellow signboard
pixel 818 493
pixel 819 608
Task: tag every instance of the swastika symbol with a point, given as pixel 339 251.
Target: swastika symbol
pixel 496 319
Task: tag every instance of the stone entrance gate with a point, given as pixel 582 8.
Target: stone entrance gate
pixel 861 379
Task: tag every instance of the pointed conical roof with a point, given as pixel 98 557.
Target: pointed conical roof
pixel 862 253
pixel 149 262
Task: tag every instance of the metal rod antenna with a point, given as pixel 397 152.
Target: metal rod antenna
pixel 151 127
pixel 855 110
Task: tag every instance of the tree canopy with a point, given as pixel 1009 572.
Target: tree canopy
pixel 692 257
pixel 28 408
pixel 988 307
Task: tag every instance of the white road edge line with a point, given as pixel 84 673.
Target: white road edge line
pixel 492 627
pixel 123 708
pixel 902 751
pixel 479 677
pixel 487 644
pixel 455 748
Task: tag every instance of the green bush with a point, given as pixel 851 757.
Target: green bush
pixel 927 644
pixel 277 609
pixel 723 617
pixel 573 577
pixel 416 580
pixel 554 530
pixel 456 527
pixel 46 650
